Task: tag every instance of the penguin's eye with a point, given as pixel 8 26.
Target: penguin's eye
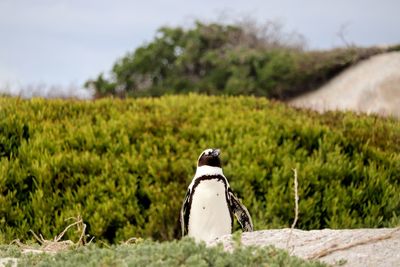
pixel 207 152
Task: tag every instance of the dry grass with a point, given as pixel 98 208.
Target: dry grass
pixel 57 245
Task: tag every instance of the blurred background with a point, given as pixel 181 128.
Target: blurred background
pixel 60 48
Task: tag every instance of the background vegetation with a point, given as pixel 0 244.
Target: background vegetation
pixel 124 165
pixel 232 59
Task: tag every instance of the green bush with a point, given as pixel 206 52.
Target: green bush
pixel 124 165
pixel 177 253
pixel 225 59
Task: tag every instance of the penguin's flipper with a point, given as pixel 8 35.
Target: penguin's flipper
pixel 241 212
pixel 184 217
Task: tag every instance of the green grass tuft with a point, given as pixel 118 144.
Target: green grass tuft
pixel 148 253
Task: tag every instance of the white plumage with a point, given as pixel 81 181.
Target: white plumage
pixel 209 213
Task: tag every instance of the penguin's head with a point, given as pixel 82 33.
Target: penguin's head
pixel 209 157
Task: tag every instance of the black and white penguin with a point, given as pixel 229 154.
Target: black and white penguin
pixel 209 203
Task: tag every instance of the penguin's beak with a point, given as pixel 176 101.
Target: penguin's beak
pixel 216 152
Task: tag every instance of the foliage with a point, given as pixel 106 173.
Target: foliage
pixel 177 253
pixel 237 59
pixel 124 165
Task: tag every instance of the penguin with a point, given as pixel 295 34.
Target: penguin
pixel 209 205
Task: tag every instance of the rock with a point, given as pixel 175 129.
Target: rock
pixel 371 86
pixel 356 247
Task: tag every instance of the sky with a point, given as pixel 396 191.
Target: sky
pixel 66 42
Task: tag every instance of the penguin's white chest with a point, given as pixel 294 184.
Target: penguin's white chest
pixel 209 213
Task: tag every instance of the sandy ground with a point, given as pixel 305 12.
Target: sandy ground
pixel 372 86
pixel 368 247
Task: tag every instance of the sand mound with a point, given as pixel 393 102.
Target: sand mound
pixel 372 86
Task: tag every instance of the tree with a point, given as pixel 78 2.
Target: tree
pixel 208 58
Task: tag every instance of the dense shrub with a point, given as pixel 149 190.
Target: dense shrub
pixel 124 165
pixel 225 59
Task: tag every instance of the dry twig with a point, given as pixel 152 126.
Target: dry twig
pixel 296 211
pixel 334 247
